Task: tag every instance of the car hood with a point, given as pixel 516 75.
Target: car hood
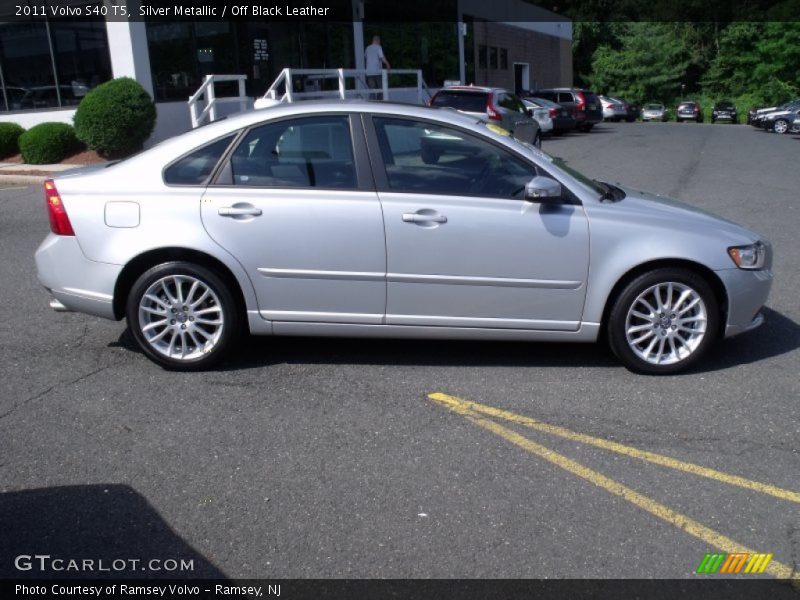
pixel 649 208
pixel 780 113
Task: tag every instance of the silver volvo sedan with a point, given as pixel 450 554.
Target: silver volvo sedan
pixel 387 220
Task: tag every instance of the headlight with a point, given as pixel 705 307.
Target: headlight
pixel 748 257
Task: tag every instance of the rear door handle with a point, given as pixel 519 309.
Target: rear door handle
pixel 423 218
pixel 239 211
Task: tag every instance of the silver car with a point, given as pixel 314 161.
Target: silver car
pixel 367 219
pixel 655 112
pixel 613 109
pixel 542 116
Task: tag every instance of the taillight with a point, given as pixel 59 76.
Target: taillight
pixel 696 109
pixel 553 112
pixel 430 102
pixel 581 101
pixel 59 221
pixel 491 110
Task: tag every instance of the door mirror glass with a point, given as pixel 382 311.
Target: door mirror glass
pixel 544 190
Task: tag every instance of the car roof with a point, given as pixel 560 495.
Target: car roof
pixel 564 89
pixel 472 88
pixel 218 129
pixel 542 100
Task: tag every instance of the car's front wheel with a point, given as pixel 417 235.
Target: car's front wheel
pixel 781 126
pixel 663 321
pixel 183 316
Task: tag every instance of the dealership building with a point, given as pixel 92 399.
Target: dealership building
pixel 47 65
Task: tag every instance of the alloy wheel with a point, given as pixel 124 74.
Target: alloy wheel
pixel 666 323
pixel 181 317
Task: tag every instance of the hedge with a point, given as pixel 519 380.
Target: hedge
pixel 115 118
pixel 48 143
pixel 9 139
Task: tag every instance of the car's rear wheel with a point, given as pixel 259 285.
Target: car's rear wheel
pixel 183 316
pixel 781 126
pixel 663 321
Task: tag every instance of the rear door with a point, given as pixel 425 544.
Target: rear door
pixel 296 205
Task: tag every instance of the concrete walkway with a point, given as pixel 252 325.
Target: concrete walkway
pixel 22 173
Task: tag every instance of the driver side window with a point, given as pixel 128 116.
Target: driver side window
pixel 426 158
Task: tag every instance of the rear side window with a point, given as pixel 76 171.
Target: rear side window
pixel 565 97
pixel 546 95
pixel 297 153
pixel 511 103
pixel 466 101
pixel 195 168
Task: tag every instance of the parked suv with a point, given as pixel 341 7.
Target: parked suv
pixel 584 104
pixel 495 104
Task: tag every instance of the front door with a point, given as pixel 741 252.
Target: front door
pixel 296 211
pixel 464 249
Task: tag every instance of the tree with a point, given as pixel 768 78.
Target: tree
pixel 650 64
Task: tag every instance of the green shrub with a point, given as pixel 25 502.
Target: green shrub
pixel 48 143
pixel 115 118
pixel 9 139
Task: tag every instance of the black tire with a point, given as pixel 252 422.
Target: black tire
pixel 220 301
pixel 618 318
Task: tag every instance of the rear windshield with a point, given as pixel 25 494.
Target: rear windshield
pixel 654 107
pixel 687 105
pixel 592 99
pixel 466 101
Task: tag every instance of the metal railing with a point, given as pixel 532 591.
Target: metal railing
pixel 349 83
pixel 207 94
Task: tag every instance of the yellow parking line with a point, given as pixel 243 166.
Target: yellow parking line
pixel 687 524
pixel 659 459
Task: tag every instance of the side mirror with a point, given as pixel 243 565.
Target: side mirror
pixel 543 190
pixel 525 131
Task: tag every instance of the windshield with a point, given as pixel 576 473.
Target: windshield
pixel 590 183
pixel 466 101
pixel 543 102
pixel 598 188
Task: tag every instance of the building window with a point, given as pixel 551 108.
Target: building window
pixel 493 57
pixel 30 80
pixel 482 54
pixel 504 58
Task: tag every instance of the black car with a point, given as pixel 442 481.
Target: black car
pixel 724 111
pixel 633 111
pixel 782 121
pixel 756 116
pixel 585 106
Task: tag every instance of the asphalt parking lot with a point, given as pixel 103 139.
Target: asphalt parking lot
pixel 317 458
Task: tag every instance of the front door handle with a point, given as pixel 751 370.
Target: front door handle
pixel 239 211
pixel 420 217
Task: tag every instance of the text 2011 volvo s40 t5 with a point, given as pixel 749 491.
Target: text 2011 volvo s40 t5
pixel 376 219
